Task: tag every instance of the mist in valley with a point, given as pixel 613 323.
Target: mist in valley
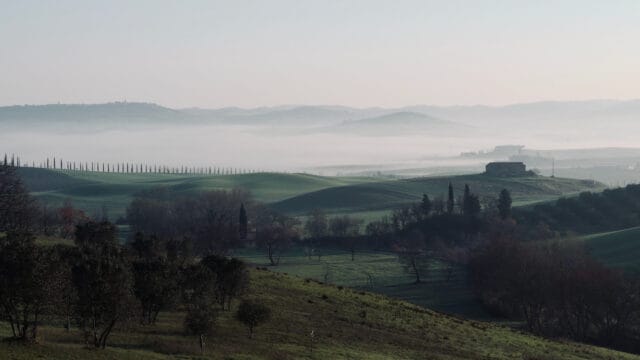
pixel 326 140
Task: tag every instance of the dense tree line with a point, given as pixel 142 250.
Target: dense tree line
pixel 17 208
pixel 209 222
pixel 99 284
pixel 586 213
pixel 558 290
pixel 212 222
pixel 421 233
pixel 19 212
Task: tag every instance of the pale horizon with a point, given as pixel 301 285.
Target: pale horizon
pixel 212 54
pixel 274 106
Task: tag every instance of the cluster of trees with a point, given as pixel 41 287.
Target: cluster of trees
pixel 99 284
pixel 420 233
pixel 124 167
pixel 343 231
pixel 587 213
pixel 213 222
pixel 424 233
pixel 559 291
pixel 19 212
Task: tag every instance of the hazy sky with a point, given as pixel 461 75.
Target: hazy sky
pixel 360 53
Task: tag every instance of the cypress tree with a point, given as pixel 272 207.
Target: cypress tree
pixel 425 205
pixel 243 223
pixel 504 204
pixel 450 200
pixel 465 199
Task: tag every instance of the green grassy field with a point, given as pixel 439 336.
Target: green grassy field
pixel 347 324
pixel 294 194
pixel 620 249
pixel 444 289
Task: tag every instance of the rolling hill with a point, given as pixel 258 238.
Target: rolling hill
pixel 346 324
pixel 93 117
pixel 294 194
pixel 391 194
pixel 92 190
pixel 399 123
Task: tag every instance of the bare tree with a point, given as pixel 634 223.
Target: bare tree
pixel 316 228
pixel 413 253
pixel 275 233
pixel 17 208
pixel 346 229
pixel 103 282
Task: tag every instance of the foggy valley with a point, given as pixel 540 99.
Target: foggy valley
pixel 331 140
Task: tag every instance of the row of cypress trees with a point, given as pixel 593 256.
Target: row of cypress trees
pixel 124 167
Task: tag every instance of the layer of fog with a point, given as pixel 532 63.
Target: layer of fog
pixel 320 139
pixel 270 148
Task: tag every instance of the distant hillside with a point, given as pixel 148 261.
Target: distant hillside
pixel 590 116
pixel 578 115
pixel 346 324
pixel 305 116
pixel 95 116
pixel 399 123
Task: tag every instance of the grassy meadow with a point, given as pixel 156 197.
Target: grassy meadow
pixel 346 323
pixel 443 288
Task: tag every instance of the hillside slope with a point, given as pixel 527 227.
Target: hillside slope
pixel 92 190
pixel 295 194
pixel 619 249
pixel 399 123
pixel 390 194
pixel 346 324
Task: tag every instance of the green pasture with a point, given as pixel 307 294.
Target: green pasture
pixel 443 288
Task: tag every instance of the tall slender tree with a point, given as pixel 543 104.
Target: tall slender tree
pixel 243 228
pixel 425 205
pixel 450 200
pixel 504 204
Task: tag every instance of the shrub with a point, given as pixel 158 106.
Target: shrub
pixel 252 314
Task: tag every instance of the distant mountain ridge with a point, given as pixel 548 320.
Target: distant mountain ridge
pixel 397 123
pixel 82 111
pixel 528 116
